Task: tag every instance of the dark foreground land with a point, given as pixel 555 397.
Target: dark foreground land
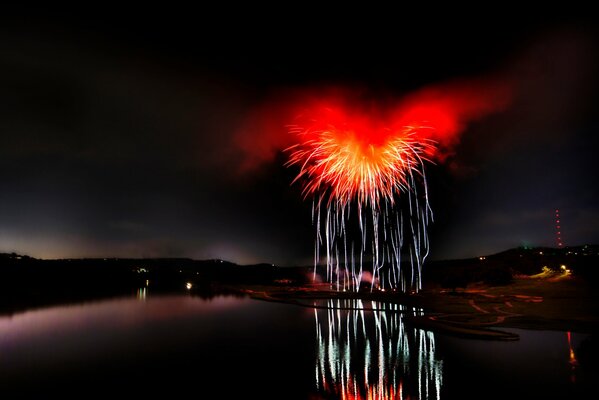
pixel 537 288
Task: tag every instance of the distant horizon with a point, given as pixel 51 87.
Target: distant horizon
pixel 525 247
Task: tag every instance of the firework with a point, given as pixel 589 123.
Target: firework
pixel 371 205
pixel 363 163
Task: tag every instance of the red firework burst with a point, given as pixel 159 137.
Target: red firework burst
pixel 347 156
pixel 371 155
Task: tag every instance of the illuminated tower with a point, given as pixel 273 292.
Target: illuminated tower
pixel 558 230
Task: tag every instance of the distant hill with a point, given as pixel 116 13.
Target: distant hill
pixel 29 282
pixel 500 268
pixel 28 274
pixel 165 270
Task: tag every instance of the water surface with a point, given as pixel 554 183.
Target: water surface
pixel 238 347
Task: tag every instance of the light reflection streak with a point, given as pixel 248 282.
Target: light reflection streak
pixel 572 358
pixel 364 351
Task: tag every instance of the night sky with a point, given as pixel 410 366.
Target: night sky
pixel 118 128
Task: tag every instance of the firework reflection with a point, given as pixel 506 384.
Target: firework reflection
pixel 365 351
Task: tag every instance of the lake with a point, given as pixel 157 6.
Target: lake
pixel 177 345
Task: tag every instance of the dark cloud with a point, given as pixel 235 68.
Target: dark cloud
pixel 512 170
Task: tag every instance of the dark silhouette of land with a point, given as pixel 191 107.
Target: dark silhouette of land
pixel 544 288
pixel 27 282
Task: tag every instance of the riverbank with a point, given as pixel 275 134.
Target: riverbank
pixel 550 289
pixel 477 311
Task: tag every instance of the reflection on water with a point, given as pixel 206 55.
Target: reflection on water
pixel 141 293
pixel 365 351
pixel 572 358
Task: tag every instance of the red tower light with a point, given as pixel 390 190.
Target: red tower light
pixel 558 235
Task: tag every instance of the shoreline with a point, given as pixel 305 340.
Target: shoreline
pixel 478 311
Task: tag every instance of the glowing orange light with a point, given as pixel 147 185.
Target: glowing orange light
pixel 350 156
pixel 572 358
